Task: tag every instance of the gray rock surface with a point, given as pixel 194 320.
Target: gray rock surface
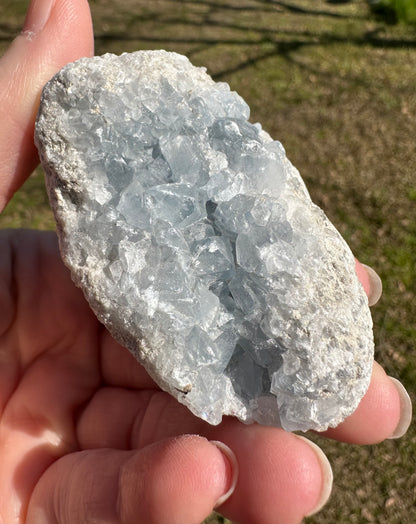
pixel 196 243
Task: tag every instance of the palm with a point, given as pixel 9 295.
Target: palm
pixel 70 380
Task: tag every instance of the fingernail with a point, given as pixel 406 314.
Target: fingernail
pixel 37 16
pixel 327 476
pixel 233 465
pixel 376 285
pixel 405 410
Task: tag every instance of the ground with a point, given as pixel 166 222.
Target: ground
pixel 336 87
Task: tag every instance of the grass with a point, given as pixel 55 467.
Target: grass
pixel 336 86
pixel 394 11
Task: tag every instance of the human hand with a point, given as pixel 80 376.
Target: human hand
pixel 85 435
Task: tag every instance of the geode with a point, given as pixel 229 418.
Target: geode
pixel 196 243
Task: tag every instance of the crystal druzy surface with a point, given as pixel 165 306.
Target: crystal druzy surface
pixel 196 243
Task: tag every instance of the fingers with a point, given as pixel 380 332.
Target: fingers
pixel 386 409
pixel 274 465
pixel 281 477
pixel 370 281
pixel 384 412
pixel 145 416
pixel 176 480
pixel 55 33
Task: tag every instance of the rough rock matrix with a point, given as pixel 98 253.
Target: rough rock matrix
pixel 196 243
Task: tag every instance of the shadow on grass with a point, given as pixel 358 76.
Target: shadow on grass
pixel 251 27
pixel 269 5
pixel 279 42
pixel 8 32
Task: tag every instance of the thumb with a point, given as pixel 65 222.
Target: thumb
pixel 178 480
pixel 55 32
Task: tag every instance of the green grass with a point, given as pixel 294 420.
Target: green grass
pixel 394 11
pixel 336 86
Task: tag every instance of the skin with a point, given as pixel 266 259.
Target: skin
pixel 85 434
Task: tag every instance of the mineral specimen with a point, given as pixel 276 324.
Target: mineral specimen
pixel 196 243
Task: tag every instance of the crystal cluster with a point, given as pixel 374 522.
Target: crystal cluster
pixel 196 243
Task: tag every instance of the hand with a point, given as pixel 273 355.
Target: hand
pixel 85 435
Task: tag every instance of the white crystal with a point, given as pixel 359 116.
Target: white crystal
pixel 196 243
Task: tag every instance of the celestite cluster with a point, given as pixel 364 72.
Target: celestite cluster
pixel 196 243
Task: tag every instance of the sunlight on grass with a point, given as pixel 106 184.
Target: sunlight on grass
pixel 336 86
pixel 395 10
pixel 29 208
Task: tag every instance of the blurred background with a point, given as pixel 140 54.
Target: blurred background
pixel 334 81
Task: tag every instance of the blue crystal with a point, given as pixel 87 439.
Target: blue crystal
pixel 196 243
